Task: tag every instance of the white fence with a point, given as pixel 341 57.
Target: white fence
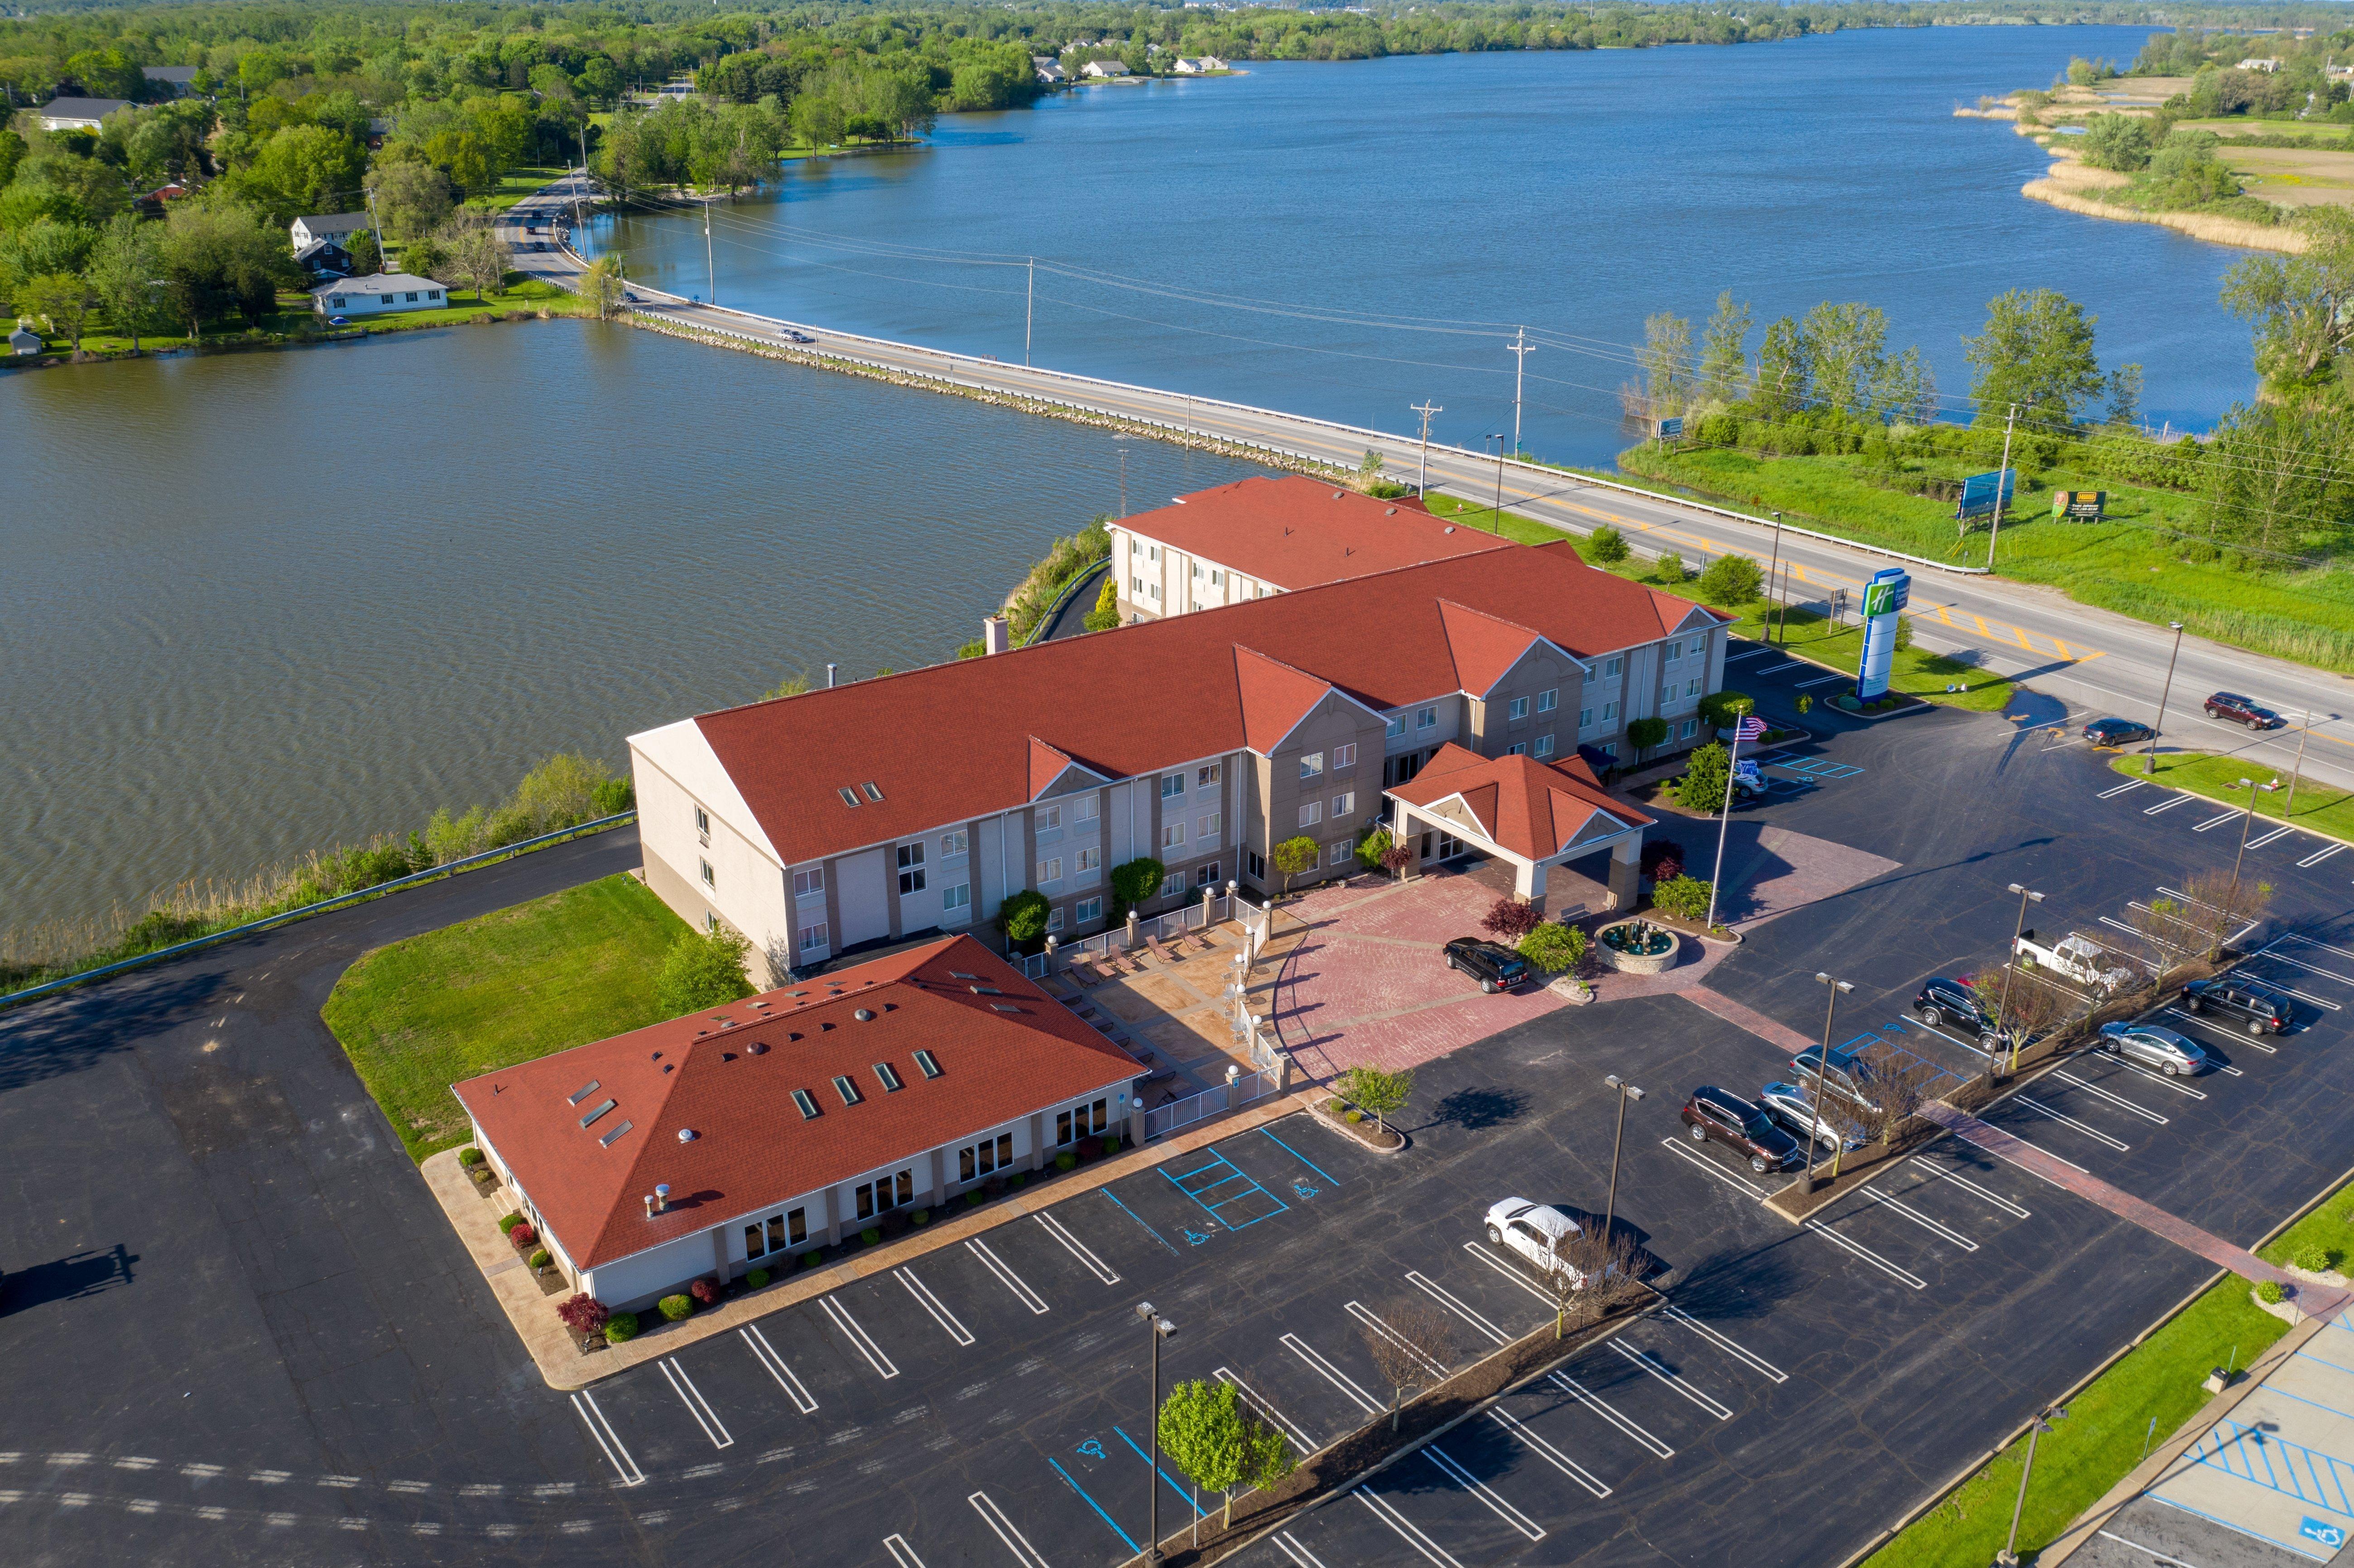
pixel 1184 1112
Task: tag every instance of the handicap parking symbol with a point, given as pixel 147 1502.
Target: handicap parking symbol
pixel 2327 1534
pixel 1303 1189
pixel 1092 1448
pixel 1196 1238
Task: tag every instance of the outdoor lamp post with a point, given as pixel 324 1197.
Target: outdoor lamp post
pixel 2037 1426
pixel 2002 1007
pixel 1822 1066
pixel 1161 1328
pixel 1625 1091
pixel 2232 900
pixel 2150 758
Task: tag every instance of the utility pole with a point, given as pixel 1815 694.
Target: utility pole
pixel 1521 349
pixel 1774 568
pixel 1029 311
pixel 2289 809
pixel 2149 757
pixel 1425 408
pixel 380 262
pixel 2002 484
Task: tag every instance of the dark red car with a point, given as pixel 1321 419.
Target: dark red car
pixel 1712 1115
pixel 2242 710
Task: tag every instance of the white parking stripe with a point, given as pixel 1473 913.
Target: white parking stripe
pixel 1996 1199
pixel 2316 942
pixel 1865 1253
pixel 1596 1403
pixel 2140 936
pixel 857 1335
pixel 2118 1100
pixel 1824 680
pixel 1015 1542
pixel 584 1404
pixel 1301 1556
pixel 935 1305
pixel 1432 1552
pixel 1448 1300
pixel 2164 1082
pixel 1643 1360
pixel 766 1354
pixel 1950 1039
pixel 2216 821
pixel 1678 1315
pixel 902 1554
pixel 1455 1472
pixel 1918 1218
pixel 1266 1411
pixel 1505 1268
pixel 1676 1147
pixel 2198 1020
pixel 1746 653
pixel 1331 1374
pixel 673 1370
pixel 2095 1134
pixel 2322 1003
pixel 1548 1453
pixel 1078 1249
pixel 2163 806
pixel 2300 963
pixel 1787 664
pixel 2120 789
pixel 1372 1320
pixel 2321 855
pixel 1006 1277
pixel 2276 832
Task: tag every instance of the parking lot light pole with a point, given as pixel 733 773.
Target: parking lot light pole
pixel 2037 1426
pixel 2002 1007
pixel 1821 1068
pixel 2149 760
pixel 1161 1328
pixel 1625 1091
pixel 2231 901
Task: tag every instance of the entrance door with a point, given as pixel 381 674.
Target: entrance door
pixel 1425 845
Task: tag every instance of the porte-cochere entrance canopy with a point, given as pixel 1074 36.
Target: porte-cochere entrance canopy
pixel 1528 813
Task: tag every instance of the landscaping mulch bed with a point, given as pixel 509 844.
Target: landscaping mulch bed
pixel 1428 1415
pixel 1382 1141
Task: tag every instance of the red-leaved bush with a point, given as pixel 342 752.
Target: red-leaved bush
pixel 705 1292
pixel 524 1237
pixel 583 1314
pixel 1510 920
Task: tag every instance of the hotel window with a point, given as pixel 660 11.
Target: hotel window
pixel 1205 776
pixel 1207 875
pixel 911 868
pixel 1675 652
pixel 885 1193
pixel 1134 547
pixel 1082 1121
pixel 1517 748
pixel 928 1064
pixel 1206 828
pixel 1090 860
pixel 1217 579
pixel 1083 809
pixel 1396 730
pixel 1609 712
pixel 708 879
pixel 1612 667
pixel 1691 688
pixel 1172 786
pixel 808 883
pixel 1197 571
pixel 1152 553
pixel 702 825
pixel 1339 854
pixel 1311 764
pixel 1585 718
pixel 1517 709
pixel 1255 863
pixel 975 1160
pixel 1051 870
pixel 952 844
pixel 1050 819
pixel 814 938
pixel 1172 835
pixel 1610 750
pixel 1691 728
pixel 1343 803
pixel 1172 884
pixel 1544 746
pixel 1055 919
pixel 1548 701
pixel 957 897
pixel 1154 591
pixel 1344 757
pixel 1089 909
pixel 1425 718
pixel 1136 587
pixel 781 1232
pixel 1312 813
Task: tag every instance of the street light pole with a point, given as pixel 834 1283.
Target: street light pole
pixel 1821 1069
pixel 2150 760
pixel 1774 568
pixel 1724 821
pixel 1161 1328
pixel 1625 1091
pixel 2002 1007
pixel 2036 1426
pixel 2232 899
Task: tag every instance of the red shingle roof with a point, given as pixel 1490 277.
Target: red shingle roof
pixel 728 1074
pixel 1532 809
pixel 959 740
pixel 1296 533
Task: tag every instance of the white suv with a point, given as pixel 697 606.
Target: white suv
pixel 1536 1235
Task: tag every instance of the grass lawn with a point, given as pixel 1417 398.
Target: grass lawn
pixel 421 1014
pixel 295 316
pixel 2318 806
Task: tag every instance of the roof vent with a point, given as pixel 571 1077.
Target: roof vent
pixel 864 1015
pixel 1450 527
pixel 760 1048
pixel 1390 513
pixel 686 1135
pixel 1336 496
pixel 661 1197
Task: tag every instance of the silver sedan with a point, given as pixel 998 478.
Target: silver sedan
pixel 2161 1048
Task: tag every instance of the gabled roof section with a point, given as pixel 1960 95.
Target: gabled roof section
pixel 1682 615
pixel 1004 1049
pixel 1529 809
pixel 1274 697
pixel 1485 647
pixel 1294 532
pixel 1053 772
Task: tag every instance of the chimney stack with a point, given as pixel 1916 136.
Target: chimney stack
pixel 993 634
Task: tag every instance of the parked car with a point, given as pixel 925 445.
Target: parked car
pixel 1536 1233
pixel 2259 1008
pixel 2079 958
pixel 2242 710
pixel 2117 732
pixel 1943 1003
pixel 1838 1071
pixel 1493 965
pixel 2161 1048
pixel 1790 1106
pixel 1716 1116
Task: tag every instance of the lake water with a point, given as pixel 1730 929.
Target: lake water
pixel 1571 192
pixel 257 604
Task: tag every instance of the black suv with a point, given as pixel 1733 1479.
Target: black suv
pixel 2260 1009
pixel 1494 966
pixel 1714 1117
pixel 2242 710
pixel 1942 1002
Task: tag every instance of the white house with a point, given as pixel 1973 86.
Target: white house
pixel 1103 70
pixel 1048 71
pixel 338 226
pixel 1203 66
pixel 378 295
pixel 79 113
pixel 2266 65
pixel 24 340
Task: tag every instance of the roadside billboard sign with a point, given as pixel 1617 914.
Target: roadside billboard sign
pixel 1888 592
pixel 2079 505
pixel 1670 429
pixel 1978 491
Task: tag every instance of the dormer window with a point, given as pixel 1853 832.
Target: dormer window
pixel 889 1077
pixel 873 791
pixel 848 795
pixel 928 1064
pixel 582 1093
pixel 806 1106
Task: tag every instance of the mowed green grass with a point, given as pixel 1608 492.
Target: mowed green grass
pixel 419 1016
pixel 2318 806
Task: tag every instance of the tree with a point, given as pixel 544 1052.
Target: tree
pixel 1845 352
pixel 412 196
pixel 1731 581
pixel 1134 882
pixel 1412 1343
pixel 1724 353
pixel 2036 353
pixel 1779 387
pixel 1508 919
pixel 1685 898
pixel 600 285
pixel 1666 362
pixel 426 255
pixel 1023 917
pixel 480 256
pixel 367 254
pixel 1646 732
pixel 1373 846
pixel 791 686
pixel 65 300
pixel 1371 1090
pixel 2119 142
pixel 302 168
pixel 2223 905
pixel 2124 395
pixel 1397 859
pixel 1898 1080
pixel 1706 772
pixel 2302 307
pixel 1296 857
pixel 1221 1446
pixel 1670 568
pixel 703 968
pixel 1606 545
pixel 1723 708
pixel 1106 614
pixel 584 1315
pixel 220 255
pixel 2165 925
pixel 126 268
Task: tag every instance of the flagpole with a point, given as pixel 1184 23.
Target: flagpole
pixel 1724 820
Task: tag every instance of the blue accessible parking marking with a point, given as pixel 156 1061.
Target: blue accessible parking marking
pixel 1810 767
pixel 1132 1215
pixel 1091 1503
pixel 1219 1186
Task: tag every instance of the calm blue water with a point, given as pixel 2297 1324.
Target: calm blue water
pixel 1573 192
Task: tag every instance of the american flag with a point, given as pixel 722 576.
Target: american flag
pixel 1750 728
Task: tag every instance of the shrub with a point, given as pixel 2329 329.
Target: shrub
pixel 921 1218
pixel 1133 882
pixel 1111 1143
pixel 811 1259
pixel 623 1328
pixel 1605 544
pixel 1685 898
pixel 1554 948
pixel 1333 1107
pixel 1646 732
pixel 1373 846
pixel 583 1314
pixel 757 1279
pixel 1023 917
pixel 1732 580
pixel 1706 774
pixel 523 1236
pixel 1354 1116
pixel 1508 919
pixel 1669 568
pixel 870 1235
pixel 1067 1160
pixel 1719 709
pixel 509 1222
pixel 541 1258
pixel 2270 1293
pixel 1662 858
pixel 2313 1257
pixel 974 1200
pixel 677 1307
pixel 470 1158
pixel 703 968
pixel 1017 1178
pixel 707 1292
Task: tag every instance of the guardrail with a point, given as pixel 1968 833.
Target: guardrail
pixel 504 851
